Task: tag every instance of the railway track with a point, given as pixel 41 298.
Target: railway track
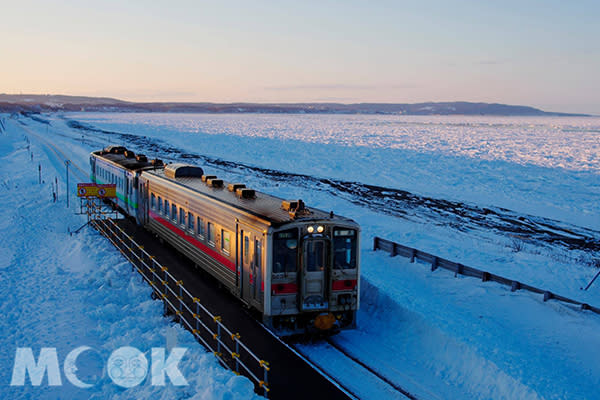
pixel 394 385
pixel 346 354
pixel 77 170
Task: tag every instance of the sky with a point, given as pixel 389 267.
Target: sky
pixel 544 54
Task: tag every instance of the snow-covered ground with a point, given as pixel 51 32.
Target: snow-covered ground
pixel 62 291
pixel 437 335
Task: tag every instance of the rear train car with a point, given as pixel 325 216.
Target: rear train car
pixel 122 167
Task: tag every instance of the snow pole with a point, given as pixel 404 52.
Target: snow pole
pixel 67 162
pixel 592 281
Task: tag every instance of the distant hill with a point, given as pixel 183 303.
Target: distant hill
pixel 49 103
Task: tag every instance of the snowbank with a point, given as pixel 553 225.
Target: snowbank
pixel 66 291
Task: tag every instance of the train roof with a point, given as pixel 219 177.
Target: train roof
pixel 127 159
pixel 265 206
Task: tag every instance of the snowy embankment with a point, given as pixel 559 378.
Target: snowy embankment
pixel 62 291
pixel 434 334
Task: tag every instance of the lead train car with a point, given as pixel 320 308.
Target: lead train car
pixel 296 266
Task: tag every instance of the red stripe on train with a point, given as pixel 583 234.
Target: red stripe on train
pixel 345 284
pixel 190 239
pixel 284 288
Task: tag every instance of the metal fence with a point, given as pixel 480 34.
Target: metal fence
pixel 208 328
pixel 396 249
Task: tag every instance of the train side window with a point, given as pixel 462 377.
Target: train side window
pixel 152 201
pixel 166 207
pixel 174 212
pixel 200 226
pixel 225 241
pixel 159 204
pixel 258 253
pixel 181 217
pixel 210 233
pixel 190 221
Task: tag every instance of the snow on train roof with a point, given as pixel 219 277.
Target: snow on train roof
pixel 262 205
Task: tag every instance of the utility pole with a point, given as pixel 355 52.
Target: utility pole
pixel 67 163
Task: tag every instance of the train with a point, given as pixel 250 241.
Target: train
pixel 298 267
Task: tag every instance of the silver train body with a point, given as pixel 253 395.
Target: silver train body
pixel 296 266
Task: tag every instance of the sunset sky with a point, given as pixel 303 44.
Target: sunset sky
pixel 539 53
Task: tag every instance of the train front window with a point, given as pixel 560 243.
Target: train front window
pixel 344 248
pixel 315 255
pixel 285 251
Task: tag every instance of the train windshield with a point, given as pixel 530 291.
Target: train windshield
pixel 285 251
pixel 344 248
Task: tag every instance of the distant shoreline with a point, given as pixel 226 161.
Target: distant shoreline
pixel 58 103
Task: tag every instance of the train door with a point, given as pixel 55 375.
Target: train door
pixel 313 277
pixel 126 198
pixel 251 260
pixel 141 197
pixel 93 169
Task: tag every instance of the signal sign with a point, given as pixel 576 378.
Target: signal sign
pixel 95 190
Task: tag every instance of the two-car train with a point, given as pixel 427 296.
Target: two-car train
pixel 297 266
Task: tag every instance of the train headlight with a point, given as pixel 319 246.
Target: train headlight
pixel 320 229
pixel 310 229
